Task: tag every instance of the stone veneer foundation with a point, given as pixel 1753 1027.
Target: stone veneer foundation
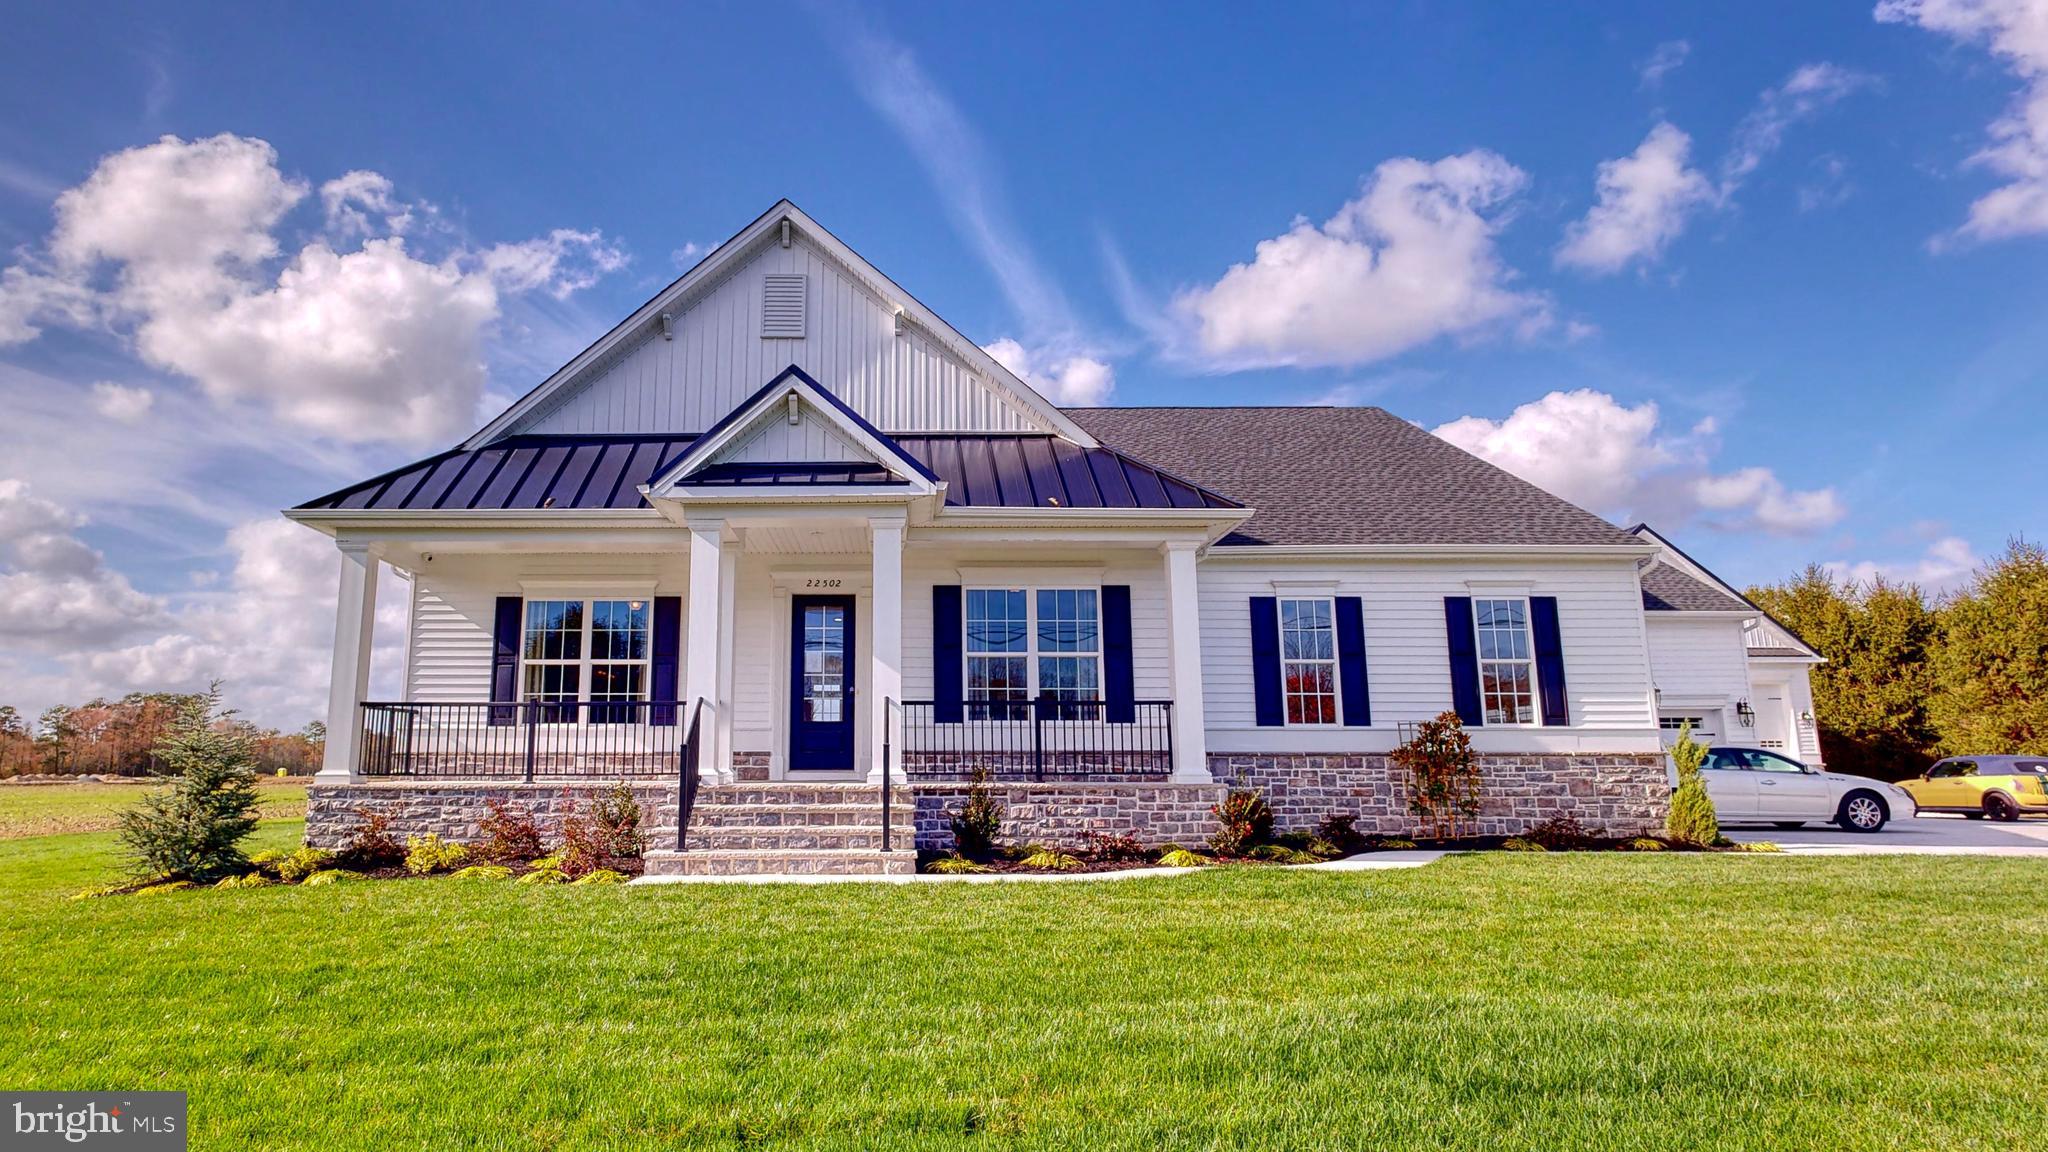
pixel 1622 794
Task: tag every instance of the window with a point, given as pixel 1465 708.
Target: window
pixel 1017 638
pixel 1675 723
pixel 1507 675
pixel 594 650
pixel 1308 661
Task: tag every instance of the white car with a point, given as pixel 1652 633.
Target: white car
pixel 1752 786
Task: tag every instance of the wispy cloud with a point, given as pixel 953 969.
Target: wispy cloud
pixel 1668 58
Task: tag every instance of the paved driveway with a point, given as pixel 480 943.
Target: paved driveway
pixel 1932 834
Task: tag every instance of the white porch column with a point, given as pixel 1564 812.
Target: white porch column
pixel 701 633
pixel 728 596
pixel 355 623
pixel 885 677
pixel 1184 666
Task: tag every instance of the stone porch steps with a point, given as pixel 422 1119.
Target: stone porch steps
pixel 787 828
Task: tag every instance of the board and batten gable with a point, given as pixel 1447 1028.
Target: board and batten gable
pixel 715 357
pixel 1600 612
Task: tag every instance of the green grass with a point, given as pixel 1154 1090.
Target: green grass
pixel 49 809
pixel 1499 1002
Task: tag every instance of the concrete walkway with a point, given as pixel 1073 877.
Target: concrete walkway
pixel 1368 862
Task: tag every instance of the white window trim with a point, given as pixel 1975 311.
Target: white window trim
pixel 1335 661
pixel 589 595
pixel 1031 652
pixel 1535 683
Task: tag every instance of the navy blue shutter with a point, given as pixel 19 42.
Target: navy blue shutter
pixel 1557 712
pixel 947 661
pixel 1464 649
pixel 1119 683
pixel 1271 708
pixel 662 679
pixel 1351 661
pixel 505 632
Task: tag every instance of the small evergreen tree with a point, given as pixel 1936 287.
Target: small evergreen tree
pixel 1692 819
pixel 977 823
pixel 190 827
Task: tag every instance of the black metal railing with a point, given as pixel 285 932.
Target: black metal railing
pixel 687 776
pixel 1038 740
pixel 529 740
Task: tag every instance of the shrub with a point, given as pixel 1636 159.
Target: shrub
pixel 1560 831
pixel 543 876
pixel 425 855
pixel 582 850
pixel 601 876
pixel 954 866
pixel 1182 858
pixel 371 845
pixel 191 826
pixel 1443 775
pixel 510 835
pixel 482 872
pixel 1517 844
pixel 297 865
pixel 251 880
pixel 1340 830
pixel 332 876
pixel 1243 822
pixel 1111 847
pixel 1396 844
pixel 1053 860
pixel 1692 819
pixel 1282 854
pixel 1759 846
pixel 977 823
pixel 1643 844
pixel 615 816
pixel 166 886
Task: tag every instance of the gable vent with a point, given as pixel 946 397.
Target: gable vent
pixel 782 306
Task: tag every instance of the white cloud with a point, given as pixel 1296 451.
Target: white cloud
pixel 268 632
pixel 1668 58
pixel 56 592
pixel 1809 91
pixel 687 256
pixel 1947 564
pixel 122 403
pixel 1644 199
pixel 364 345
pixel 1411 259
pixel 1610 458
pixel 2017 32
pixel 1066 380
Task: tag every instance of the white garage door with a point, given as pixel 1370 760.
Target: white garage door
pixel 1671 720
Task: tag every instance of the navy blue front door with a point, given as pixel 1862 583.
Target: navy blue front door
pixel 821 683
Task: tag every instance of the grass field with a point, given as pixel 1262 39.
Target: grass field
pixel 1505 1001
pixel 48 809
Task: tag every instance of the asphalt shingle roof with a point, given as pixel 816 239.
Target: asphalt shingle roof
pixel 1345 476
pixel 1666 589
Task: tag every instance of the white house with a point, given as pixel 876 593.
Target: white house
pixel 787 536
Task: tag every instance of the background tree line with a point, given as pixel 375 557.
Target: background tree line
pixel 119 738
pixel 1911 678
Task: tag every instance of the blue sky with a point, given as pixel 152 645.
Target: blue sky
pixel 1796 317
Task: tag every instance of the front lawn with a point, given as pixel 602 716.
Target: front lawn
pixel 1496 1002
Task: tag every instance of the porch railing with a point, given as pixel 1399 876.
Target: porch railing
pixel 1038 740
pixel 529 740
pixel 687 774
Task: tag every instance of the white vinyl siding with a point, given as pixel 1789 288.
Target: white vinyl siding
pixel 717 358
pixel 1407 660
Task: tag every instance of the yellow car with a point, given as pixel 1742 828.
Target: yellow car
pixel 1998 787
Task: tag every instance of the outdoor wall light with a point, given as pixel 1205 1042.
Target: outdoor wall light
pixel 1745 713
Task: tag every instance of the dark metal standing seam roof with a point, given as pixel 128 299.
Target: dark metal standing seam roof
pixel 585 472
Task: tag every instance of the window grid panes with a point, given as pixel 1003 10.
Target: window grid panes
pixel 1507 673
pixel 597 650
pixel 1308 661
pixel 825 664
pixel 1018 637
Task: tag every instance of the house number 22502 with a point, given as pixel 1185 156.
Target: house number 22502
pixel 822 583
